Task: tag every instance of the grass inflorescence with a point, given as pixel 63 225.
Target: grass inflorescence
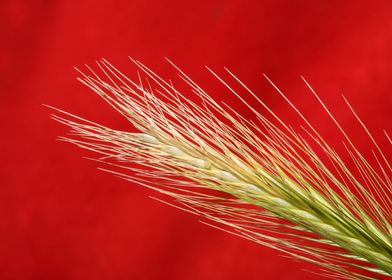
pixel 282 193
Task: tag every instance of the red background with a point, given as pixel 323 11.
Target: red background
pixel 60 218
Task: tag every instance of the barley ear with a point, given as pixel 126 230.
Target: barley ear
pixel 282 193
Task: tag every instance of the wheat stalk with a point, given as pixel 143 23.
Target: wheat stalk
pixel 283 195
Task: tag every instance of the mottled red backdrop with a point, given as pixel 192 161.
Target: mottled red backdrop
pixel 60 218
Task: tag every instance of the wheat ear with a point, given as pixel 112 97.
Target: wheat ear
pixel 283 195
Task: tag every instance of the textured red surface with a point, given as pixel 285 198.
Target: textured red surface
pixel 60 218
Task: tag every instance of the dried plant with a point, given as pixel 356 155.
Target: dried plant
pixel 282 193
